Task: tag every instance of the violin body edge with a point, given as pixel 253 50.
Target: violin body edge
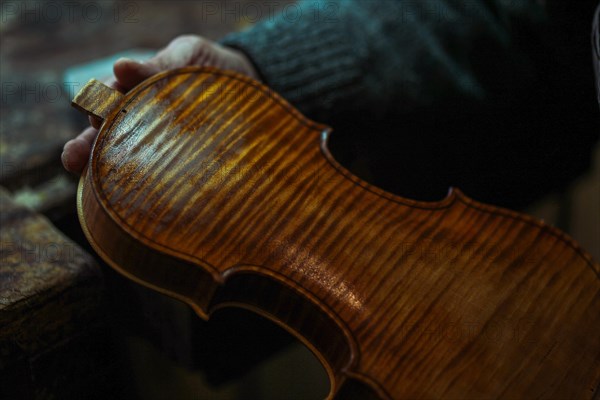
pixel 302 300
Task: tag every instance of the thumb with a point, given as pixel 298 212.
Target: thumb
pixel 130 72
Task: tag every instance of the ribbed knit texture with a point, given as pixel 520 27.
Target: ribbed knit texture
pixel 386 56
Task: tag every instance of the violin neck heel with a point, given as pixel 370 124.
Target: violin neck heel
pixel 96 99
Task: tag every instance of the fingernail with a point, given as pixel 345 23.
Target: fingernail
pixel 124 59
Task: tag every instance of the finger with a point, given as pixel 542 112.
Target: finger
pixel 178 53
pixel 113 83
pixel 130 73
pixel 77 151
pixel 184 51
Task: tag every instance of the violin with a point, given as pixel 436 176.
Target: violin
pixel 209 187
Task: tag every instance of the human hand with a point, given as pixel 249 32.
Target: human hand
pixel 183 51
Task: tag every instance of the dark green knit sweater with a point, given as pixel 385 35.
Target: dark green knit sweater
pixel 381 56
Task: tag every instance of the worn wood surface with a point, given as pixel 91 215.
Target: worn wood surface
pixel 54 337
pixel 206 186
pixel 39 263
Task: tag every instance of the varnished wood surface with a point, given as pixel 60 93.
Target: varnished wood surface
pixel 97 99
pixel 208 187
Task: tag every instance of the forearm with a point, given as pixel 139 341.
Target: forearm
pixel 388 56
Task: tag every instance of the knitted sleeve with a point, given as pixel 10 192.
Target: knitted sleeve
pixel 388 56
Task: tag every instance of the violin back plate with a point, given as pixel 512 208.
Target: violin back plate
pixel 209 187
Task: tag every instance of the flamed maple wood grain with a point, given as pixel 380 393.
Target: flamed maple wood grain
pixel 206 186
